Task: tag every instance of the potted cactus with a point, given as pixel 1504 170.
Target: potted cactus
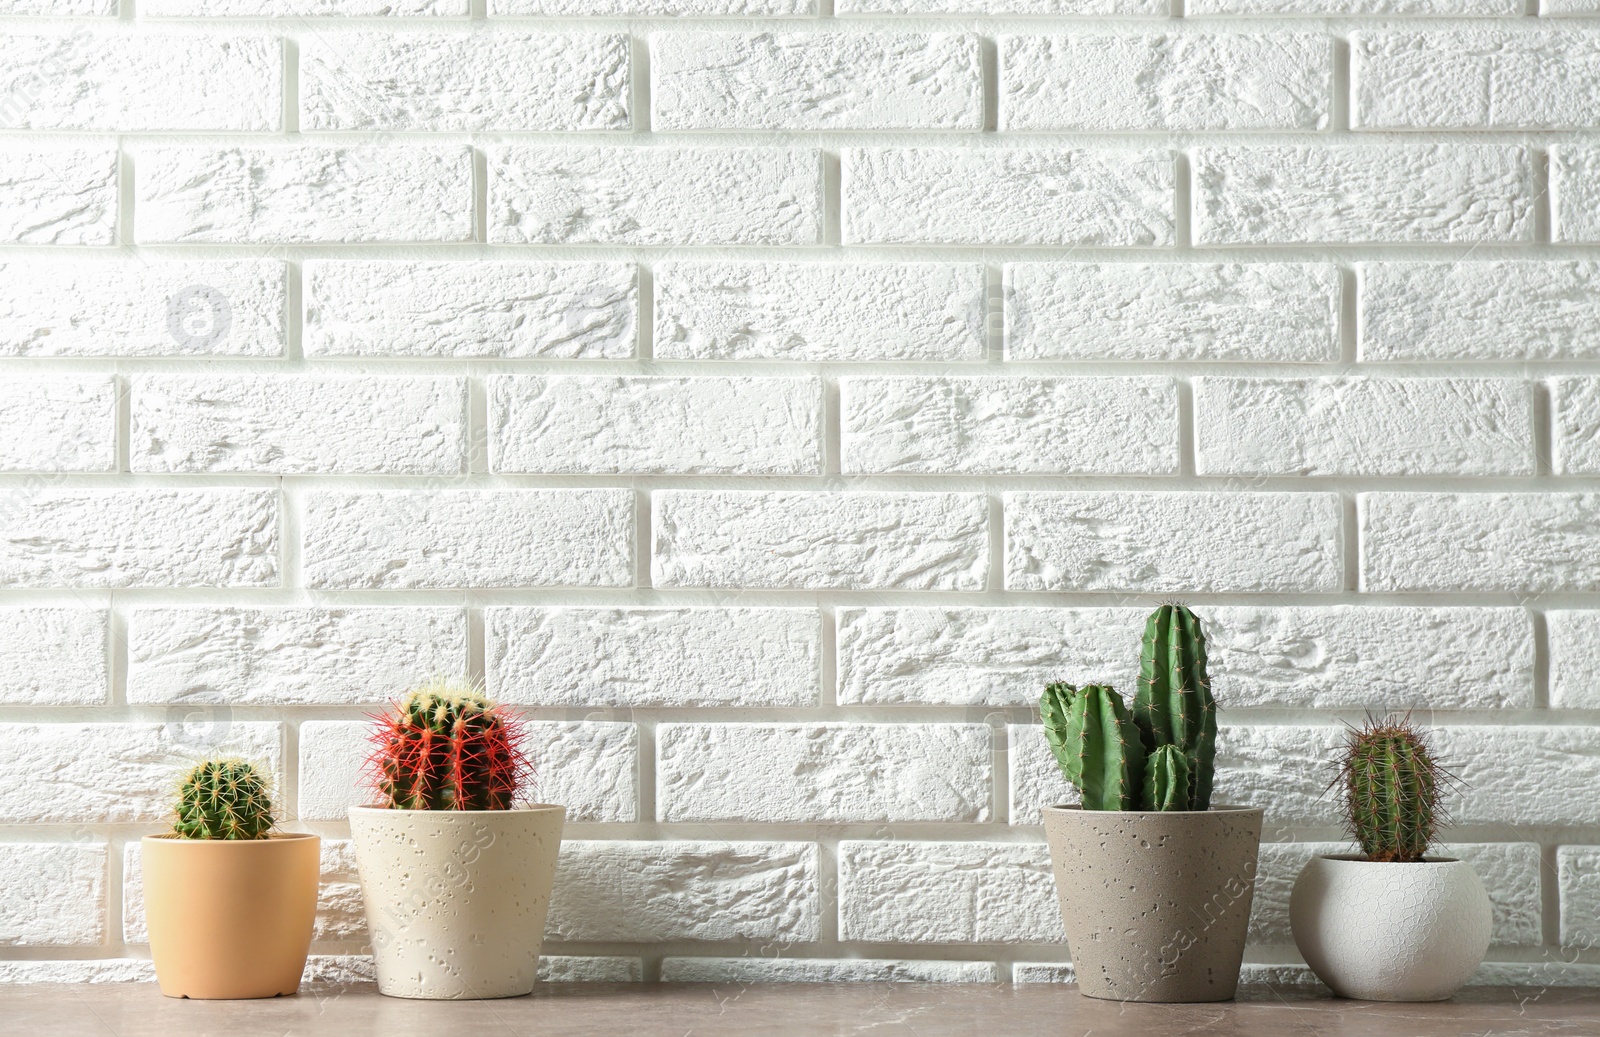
pixel 229 902
pixel 456 872
pixel 1155 881
pixel 1391 923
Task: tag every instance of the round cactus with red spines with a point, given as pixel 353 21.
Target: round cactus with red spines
pixel 446 746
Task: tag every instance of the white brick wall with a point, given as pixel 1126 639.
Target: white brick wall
pixel 768 396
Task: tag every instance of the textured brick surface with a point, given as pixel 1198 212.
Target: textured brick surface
pixel 1222 81
pixel 1479 541
pixel 818 312
pixel 295 424
pixel 1394 194
pixel 1574 658
pixel 53 657
pixel 847 81
pixel 55 894
pixel 1363 426
pixel 698 426
pixel 1091 426
pixel 820 970
pixel 1284 312
pixel 943 892
pixel 654 657
pixel 514 309
pixel 1257 541
pixel 469 538
pixel 58 194
pixel 822 772
pixel 726 538
pixel 1011 196
pixel 58 424
pixel 1575 193
pixel 414 81
pixel 1576 416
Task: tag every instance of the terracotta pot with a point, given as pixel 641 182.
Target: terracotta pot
pixel 456 899
pixel 1391 932
pixel 1156 904
pixel 230 918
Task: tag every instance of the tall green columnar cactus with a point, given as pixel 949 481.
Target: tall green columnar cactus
pixel 1095 742
pixel 1173 705
pixel 224 799
pixel 1393 787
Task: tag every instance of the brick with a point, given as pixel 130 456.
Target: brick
pixel 570 968
pixel 116 773
pixel 1510 873
pixel 1047 972
pixel 1574 658
pixel 829 81
pixel 53 657
pixel 814 312
pixel 298 424
pixel 1576 406
pixel 672 657
pixel 651 892
pixel 130 82
pixel 1363 426
pixel 58 194
pixel 654 196
pixel 1530 542
pixel 1323 8
pixel 1574 193
pixel 60 8
pixel 299 8
pixel 647 426
pixel 139 538
pixel 340 915
pixel 144 307
pixel 1377 194
pixel 1532 775
pixel 290 194
pixel 1476 79
pixel 1165 81
pixel 1490 310
pixel 302 656
pixel 1578 871
pixel 1009 196
pixel 822 773
pixel 55 894
pixel 464 81
pixel 1277 312
pixel 81 970
pixel 1113 8
pixel 825 970
pixel 469 538
pixel 1313 657
pixel 814 540
pixel 943 425
pixel 515 309
pixel 589 767
pixel 1255 541
pixel 1558 8
pixel 58 424
pixel 654 8
pixel 947 892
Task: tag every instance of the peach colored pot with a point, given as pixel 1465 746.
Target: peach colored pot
pixel 230 918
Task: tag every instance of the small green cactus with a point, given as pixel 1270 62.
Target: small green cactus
pixel 1166 780
pixel 1095 743
pixel 224 799
pixel 1393 787
pixel 1173 705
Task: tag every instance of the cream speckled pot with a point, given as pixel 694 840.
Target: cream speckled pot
pixel 1390 932
pixel 456 899
pixel 1156 904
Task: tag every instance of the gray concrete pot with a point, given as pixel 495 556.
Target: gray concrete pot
pixel 1156 904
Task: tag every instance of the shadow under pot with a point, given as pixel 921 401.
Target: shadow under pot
pixel 1156 904
pixel 230 918
pixel 1385 931
pixel 456 899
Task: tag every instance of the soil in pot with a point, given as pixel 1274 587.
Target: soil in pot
pixel 456 899
pixel 1391 932
pixel 1156 904
pixel 230 918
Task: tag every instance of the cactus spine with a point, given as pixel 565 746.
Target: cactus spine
pixel 1166 780
pixel 1173 705
pixel 224 799
pixel 445 746
pixel 1096 744
pixel 1392 790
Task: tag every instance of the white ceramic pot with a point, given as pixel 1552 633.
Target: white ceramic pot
pixel 1390 932
pixel 456 899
